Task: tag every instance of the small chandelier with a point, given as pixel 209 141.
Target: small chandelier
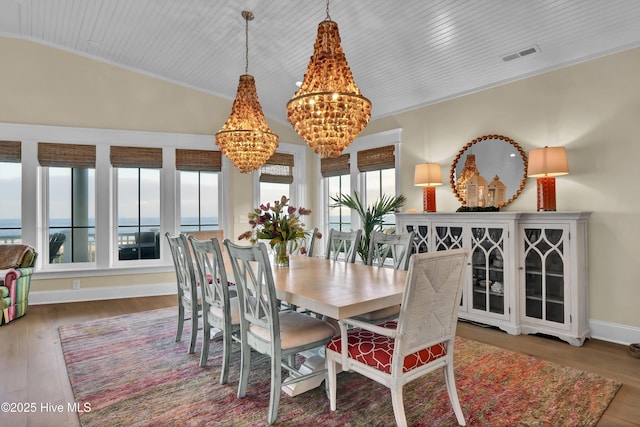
pixel 328 111
pixel 246 138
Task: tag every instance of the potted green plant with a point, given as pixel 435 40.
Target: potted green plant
pixel 371 216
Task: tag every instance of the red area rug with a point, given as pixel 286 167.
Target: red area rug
pixel 132 373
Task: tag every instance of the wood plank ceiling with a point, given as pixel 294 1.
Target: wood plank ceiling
pixel 403 54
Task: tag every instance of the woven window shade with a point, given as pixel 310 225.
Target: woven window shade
pixel 377 159
pixel 335 166
pixel 278 169
pixel 198 160
pixel 10 151
pixel 136 157
pixel 66 155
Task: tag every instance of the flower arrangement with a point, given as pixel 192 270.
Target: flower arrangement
pixel 280 224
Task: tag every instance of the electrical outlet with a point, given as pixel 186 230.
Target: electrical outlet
pixel 76 284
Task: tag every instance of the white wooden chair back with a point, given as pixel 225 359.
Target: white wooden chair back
pixel 343 245
pixel 393 250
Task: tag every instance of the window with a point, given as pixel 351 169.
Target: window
pixel 368 166
pixel 199 189
pixel 377 166
pixel 276 177
pixel 138 201
pixel 11 194
pixel 71 201
pixel 336 174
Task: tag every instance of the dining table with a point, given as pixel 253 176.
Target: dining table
pixel 337 289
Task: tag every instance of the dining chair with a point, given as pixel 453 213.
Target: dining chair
pixel 188 292
pixel 419 342
pixel 266 329
pixel 308 243
pixel 387 250
pixel 343 243
pixel 219 309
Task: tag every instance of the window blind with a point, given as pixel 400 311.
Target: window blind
pixel 335 166
pixel 278 169
pixel 136 157
pixel 198 160
pixel 377 159
pixel 66 155
pixel 10 151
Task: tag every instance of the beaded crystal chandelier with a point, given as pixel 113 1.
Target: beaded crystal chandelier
pixel 328 111
pixel 246 138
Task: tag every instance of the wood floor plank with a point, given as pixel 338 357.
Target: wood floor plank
pixel 34 368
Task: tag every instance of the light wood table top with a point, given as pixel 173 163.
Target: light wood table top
pixel 336 289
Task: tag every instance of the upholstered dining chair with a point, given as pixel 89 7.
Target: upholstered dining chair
pixel 219 309
pixel 421 341
pixel 266 329
pixel 343 245
pixel 189 303
pixel 388 250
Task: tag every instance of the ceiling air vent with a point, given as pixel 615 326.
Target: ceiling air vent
pixel 524 52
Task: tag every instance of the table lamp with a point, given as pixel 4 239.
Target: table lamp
pixel 428 175
pixel 545 164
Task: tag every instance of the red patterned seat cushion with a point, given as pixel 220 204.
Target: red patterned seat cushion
pixel 376 350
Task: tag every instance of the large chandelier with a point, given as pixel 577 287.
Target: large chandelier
pixel 246 138
pixel 328 111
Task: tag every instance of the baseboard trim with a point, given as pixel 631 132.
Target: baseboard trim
pixel 614 332
pixel 103 293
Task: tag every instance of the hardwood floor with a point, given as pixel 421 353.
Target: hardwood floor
pixel 33 369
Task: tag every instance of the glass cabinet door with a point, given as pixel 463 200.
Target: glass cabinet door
pixel 447 237
pixel 544 273
pixel 487 267
pixel 420 238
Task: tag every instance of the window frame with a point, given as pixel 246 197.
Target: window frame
pixel 390 137
pixel 298 188
pixel 33 191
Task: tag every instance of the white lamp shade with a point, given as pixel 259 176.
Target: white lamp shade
pixel 548 161
pixel 427 174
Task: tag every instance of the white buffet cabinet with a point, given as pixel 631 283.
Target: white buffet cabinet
pixel 526 273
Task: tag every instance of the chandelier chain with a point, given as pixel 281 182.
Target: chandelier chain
pixel 328 18
pixel 246 44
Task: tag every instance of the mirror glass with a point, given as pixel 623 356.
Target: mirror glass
pixel 490 156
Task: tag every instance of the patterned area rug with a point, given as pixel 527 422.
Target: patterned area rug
pixel 132 373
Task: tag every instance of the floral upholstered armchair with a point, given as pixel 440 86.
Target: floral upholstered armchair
pixel 17 263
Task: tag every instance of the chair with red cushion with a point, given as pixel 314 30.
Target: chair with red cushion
pixel 420 341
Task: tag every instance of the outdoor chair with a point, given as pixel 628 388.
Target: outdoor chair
pixel 343 245
pixel 387 250
pixel 266 329
pixel 188 292
pixel 219 309
pixel 56 240
pixel 421 341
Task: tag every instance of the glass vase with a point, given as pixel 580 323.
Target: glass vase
pixel 281 255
